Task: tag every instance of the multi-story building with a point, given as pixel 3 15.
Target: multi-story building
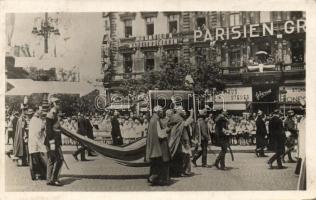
pixel 261 54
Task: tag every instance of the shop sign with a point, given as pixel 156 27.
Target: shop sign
pixel 237 32
pixel 236 94
pixel 264 93
pixel 293 93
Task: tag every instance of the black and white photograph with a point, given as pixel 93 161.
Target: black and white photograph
pixel 154 100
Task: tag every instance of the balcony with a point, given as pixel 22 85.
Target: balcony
pixel 261 68
pixel 123 76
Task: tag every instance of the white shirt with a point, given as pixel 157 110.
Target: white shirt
pixel 36 136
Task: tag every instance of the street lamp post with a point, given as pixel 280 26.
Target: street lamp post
pixel 45 30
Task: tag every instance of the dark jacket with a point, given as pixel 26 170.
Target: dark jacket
pixel 261 132
pixel 201 128
pixel 51 127
pixel 89 129
pixel 82 130
pixel 289 125
pixel 220 124
pixel 116 132
pixel 277 134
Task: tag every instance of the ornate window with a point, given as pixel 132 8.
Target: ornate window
pixel 173 20
pixel 150 28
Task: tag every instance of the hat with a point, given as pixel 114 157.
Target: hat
pixel 179 108
pixel 54 99
pixel 30 111
pixel 290 113
pixel 157 108
pixel 276 111
pixel 202 112
pixel 260 112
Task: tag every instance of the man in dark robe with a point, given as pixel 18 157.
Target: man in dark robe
pixel 157 150
pixel 20 145
pixel 116 131
pixel 261 134
pixel 90 135
pixel 277 138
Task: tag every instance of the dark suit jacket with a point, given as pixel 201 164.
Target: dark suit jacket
pixel 82 130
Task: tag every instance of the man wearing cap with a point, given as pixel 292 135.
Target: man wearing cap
pixel 202 136
pixel 276 130
pixel 290 127
pixel 157 150
pixel 53 142
pixel 222 139
pixel 116 130
pixel 36 146
pixel 261 134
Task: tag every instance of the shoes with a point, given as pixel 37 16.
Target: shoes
pixel 75 157
pixel 270 165
pixel 281 167
pixel 54 183
pixel 84 159
pixel 217 165
pixel 263 155
pixel 92 154
pixel 194 163
pixel 8 154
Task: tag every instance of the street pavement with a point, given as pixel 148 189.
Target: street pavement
pixel 247 172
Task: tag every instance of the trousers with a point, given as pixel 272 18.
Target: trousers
pixel 38 165
pixel 54 164
pixel 221 156
pixel 202 152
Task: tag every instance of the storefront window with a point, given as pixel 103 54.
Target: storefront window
pixel 128 63
pixel 149 61
pixel 150 26
pixel 128 28
pixel 173 23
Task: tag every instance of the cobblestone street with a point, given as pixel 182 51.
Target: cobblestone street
pixel 102 174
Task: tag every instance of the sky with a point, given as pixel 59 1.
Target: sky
pixel 79 43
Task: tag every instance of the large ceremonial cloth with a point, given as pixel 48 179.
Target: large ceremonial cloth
pixel 19 145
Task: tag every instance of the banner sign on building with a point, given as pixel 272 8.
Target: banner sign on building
pixel 237 32
pixel 293 93
pixel 237 95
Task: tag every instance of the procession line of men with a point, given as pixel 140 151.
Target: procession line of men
pixel 168 147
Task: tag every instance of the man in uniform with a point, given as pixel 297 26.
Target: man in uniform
pixel 261 134
pixel 203 137
pixel 276 131
pixel 290 127
pixel 222 139
pixel 157 150
pixel 53 143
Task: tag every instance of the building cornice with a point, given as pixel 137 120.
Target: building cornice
pixel 127 16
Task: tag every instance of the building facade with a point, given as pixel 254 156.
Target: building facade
pixel 261 54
